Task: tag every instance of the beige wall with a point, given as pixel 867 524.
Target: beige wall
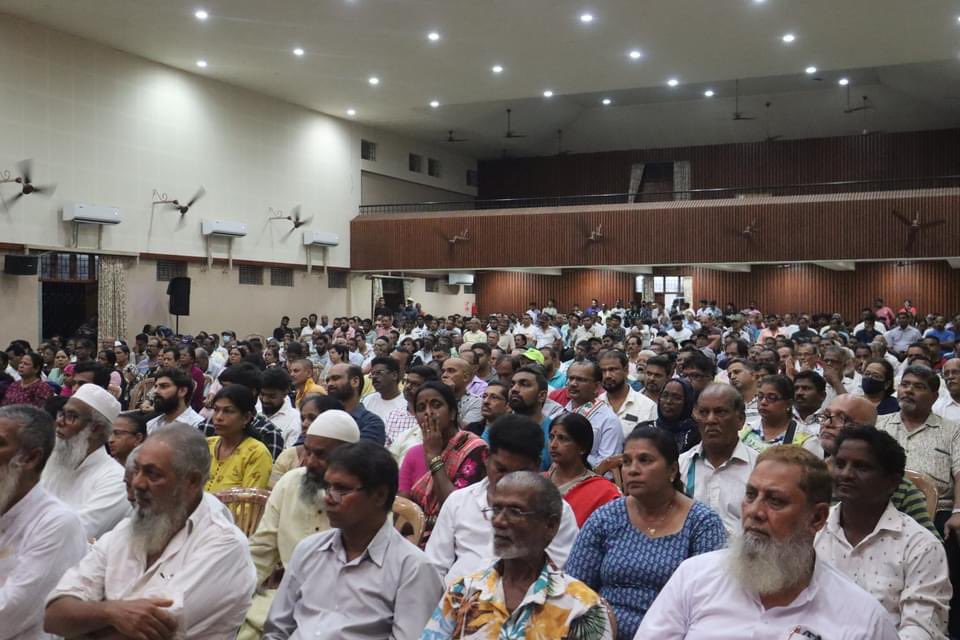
pixel 378 189
pixel 19 308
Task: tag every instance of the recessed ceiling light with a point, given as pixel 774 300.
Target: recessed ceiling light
pixel 759 1
pixel 433 36
pixel 673 82
pixel 788 38
pixel 548 94
pixel 373 80
pixel 843 82
pixel 200 14
pixel 434 103
pixel 351 112
pixel 709 93
pixel 636 54
pixel 496 68
pixel 586 18
pixel 606 101
pixel 298 52
pixel 810 70
pixel 202 64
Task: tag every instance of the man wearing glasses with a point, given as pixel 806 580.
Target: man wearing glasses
pixel 80 472
pixel 523 594
pixel 361 579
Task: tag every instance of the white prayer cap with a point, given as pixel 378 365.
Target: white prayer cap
pixel 99 400
pixel 336 425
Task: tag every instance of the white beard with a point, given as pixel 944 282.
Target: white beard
pixel 152 530
pixel 765 566
pixel 9 478
pixel 312 492
pixel 66 457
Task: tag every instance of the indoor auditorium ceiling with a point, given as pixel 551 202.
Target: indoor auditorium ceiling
pixel 904 56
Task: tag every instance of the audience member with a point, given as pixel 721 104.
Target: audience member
pixel 385 375
pixel 948 404
pixel 583 382
pixel 878 385
pixel 456 373
pixel 172 390
pixel 40 537
pixel 361 579
pixel 524 594
pixel 175 568
pixel 883 550
pixel 128 432
pixel 275 385
pixel 777 425
pixel 675 413
pixel 345 383
pixel 628 548
pixel 402 428
pixel 30 388
pixel 809 395
pixel 237 457
pixel 461 543
pixel 770 583
pixel 528 395
pixel 571 440
pixel 80 472
pixel 493 404
pixel 630 405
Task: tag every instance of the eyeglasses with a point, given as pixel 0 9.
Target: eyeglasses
pixel 769 397
pixel 338 493
pixel 511 513
pixel 825 417
pixel 68 416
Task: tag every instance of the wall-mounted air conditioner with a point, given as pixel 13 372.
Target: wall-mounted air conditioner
pixel 90 213
pixel 454 278
pixel 320 238
pixel 223 228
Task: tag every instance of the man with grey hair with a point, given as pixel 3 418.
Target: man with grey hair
pixel 80 471
pixel 523 590
pixel 175 569
pixel 40 537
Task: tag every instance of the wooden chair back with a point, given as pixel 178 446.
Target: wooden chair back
pixel 408 519
pixel 246 505
pixel 611 465
pixel 927 487
pixel 139 392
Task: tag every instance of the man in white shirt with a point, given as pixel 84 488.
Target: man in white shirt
pixel 716 470
pixel 678 331
pixel 631 406
pixel 80 471
pixel 884 551
pixel 40 537
pixel 173 389
pixel 948 404
pixel 385 376
pixel 462 540
pixel 361 579
pixel 544 334
pixel 583 382
pixel 769 583
pixel 473 333
pixel 275 385
pixel 175 568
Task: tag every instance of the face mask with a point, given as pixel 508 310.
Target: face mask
pixel 871 386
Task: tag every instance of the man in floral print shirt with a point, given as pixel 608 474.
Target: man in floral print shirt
pixel 523 595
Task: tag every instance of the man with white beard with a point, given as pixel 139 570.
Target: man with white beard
pixel 175 569
pixel 294 511
pixel 40 537
pixel 81 472
pixel 770 583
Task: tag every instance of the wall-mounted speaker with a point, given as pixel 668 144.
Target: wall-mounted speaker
pixel 21 265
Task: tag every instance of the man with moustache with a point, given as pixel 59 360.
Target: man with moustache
pixel 770 583
pixel 80 471
pixel 294 511
pixel 173 388
pixel 631 406
pixel 528 394
pixel 523 594
pixel 176 568
pixel 40 537
pixel 583 380
pixel 361 579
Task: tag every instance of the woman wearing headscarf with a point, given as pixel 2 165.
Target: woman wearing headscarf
pixel 675 413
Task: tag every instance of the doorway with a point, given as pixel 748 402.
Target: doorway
pixel 69 294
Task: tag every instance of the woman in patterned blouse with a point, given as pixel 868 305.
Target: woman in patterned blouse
pixel 629 548
pixel 29 389
pixel 449 459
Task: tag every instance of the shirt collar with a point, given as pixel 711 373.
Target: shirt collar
pixel 26 504
pixel 889 521
pixel 376 551
pixel 740 452
pixel 549 584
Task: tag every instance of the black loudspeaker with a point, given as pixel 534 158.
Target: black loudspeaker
pixel 179 292
pixel 21 265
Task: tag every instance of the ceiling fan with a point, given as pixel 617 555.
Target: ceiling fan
pixel 737 114
pixel 915 226
pixel 766 122
pixel 161 198
pixel 749 231
pixel 463 236
pixel 293 217
pixel 596 234
pixel 24 179
pixel 451 138
pixel 510 132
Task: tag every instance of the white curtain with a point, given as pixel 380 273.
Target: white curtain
pixel 407 289
pixel 681 179
pixel 112 299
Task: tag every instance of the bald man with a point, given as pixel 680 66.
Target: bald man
pixel 848 410
pixel 457 374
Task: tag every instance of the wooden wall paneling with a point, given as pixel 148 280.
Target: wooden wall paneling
pixel 511 291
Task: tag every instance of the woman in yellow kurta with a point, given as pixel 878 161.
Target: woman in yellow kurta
pixel 237 458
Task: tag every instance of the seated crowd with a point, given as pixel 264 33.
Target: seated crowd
pixel 607 473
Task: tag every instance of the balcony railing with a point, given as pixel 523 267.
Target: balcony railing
pixel 722 193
